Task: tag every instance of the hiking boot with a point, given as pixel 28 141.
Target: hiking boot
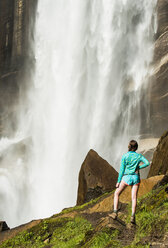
pixel 113 215
pixel 133 219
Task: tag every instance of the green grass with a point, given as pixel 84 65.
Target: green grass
pixel 151 216
pixel 103 238
pixel 62 233
pixel 152 212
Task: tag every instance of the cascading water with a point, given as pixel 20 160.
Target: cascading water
pixel 92 64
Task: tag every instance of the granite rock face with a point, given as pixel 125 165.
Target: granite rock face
pixel 159 79
pixel 16 18
pixel 16 25
pixel 96 176
pixel 162 11
pixel 160 157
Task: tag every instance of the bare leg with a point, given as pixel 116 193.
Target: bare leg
pixel 118 191
pixel 134 198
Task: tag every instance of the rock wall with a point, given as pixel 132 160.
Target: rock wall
pixel 159 80
pixel 16 25
pixel 160 157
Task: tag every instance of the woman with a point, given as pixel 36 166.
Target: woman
pixel 129 175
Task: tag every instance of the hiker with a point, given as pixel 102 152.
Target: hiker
pixel 129 175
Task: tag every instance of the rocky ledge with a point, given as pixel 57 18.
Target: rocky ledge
pixel 90 226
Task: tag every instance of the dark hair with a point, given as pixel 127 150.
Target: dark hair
pixel 133 145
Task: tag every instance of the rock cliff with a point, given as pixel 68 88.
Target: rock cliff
pixel 159 85
pixel 160 157
pixel 16 18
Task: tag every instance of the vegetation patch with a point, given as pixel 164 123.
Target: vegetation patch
pixel 61 232
pixel 151 217
pixel 103 238
pixel 76 232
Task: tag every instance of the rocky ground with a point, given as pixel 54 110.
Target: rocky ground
pixel 89 225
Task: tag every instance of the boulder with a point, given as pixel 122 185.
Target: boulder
pixel 96 176
pixel 3 226
pixel 160 157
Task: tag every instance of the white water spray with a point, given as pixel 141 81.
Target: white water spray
pixel 92 63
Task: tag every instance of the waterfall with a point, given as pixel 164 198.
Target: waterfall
pixel 92 62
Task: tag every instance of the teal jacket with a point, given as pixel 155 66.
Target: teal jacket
pixel 130 163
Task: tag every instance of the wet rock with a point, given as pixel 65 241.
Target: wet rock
pixel 96 176
pixel 16 57
pixel 158 82
pixel 160 157
pixel 162 16
pixel 161 46
pixel 3 226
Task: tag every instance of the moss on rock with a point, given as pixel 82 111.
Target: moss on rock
pixel 62 233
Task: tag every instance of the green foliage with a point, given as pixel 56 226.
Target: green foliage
pixel 152 213
pixel 151 216
pixel 71 234
pixel 61 232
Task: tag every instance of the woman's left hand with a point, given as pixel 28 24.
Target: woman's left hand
pixel 117 185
